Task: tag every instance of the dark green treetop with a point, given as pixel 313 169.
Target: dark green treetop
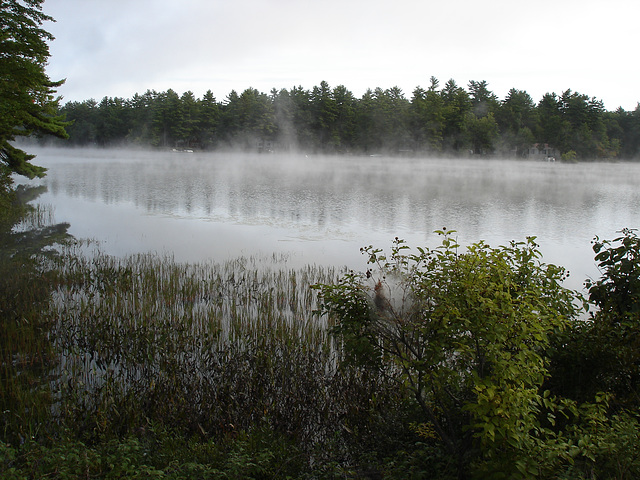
pixel 27 102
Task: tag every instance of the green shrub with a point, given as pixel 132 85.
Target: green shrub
pixel 602 354
pixel 465 333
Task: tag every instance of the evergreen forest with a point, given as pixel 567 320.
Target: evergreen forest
pixel 445 119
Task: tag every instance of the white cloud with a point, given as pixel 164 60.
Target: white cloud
pixel 120 47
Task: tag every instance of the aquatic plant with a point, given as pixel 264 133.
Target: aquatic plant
pixel 26 354
pixel 207 349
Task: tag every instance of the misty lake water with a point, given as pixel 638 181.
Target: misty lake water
pixel 321 210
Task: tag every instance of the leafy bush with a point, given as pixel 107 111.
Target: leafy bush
pixel 159 453
pixel 617 292
pixel 465 333
pixel 603 353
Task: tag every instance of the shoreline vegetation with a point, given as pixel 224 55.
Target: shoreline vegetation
pixel 141 367
pixel 443 363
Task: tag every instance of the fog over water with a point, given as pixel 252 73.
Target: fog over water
pixel 215 206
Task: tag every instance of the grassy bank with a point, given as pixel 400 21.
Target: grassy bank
pixel 141 364
pixel 440 364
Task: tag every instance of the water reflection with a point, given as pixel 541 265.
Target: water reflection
pixel 321 210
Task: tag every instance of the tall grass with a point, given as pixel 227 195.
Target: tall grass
pixel 26 355
pixel 36 217
pixel 97 348
pixel 206 349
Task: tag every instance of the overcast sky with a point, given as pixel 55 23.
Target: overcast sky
pixel 120 47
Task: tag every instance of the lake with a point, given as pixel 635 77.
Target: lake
pixel 303 209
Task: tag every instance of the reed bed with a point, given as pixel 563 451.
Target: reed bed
pixel 36 217
pixel 207 349
pixel 26 356
pixel 104 348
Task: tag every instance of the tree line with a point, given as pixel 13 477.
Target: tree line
pixel 448 119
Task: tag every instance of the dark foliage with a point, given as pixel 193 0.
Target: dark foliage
pixel 603 353
pixel 438 120
pixel 27 105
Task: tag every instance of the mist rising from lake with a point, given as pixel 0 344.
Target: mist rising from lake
pixel 214 206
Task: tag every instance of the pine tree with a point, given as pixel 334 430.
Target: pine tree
pixel 27 102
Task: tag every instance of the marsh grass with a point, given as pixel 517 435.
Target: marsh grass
pixel 26 355
pixel 35 217
pixel 204 349
pixel 98 349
